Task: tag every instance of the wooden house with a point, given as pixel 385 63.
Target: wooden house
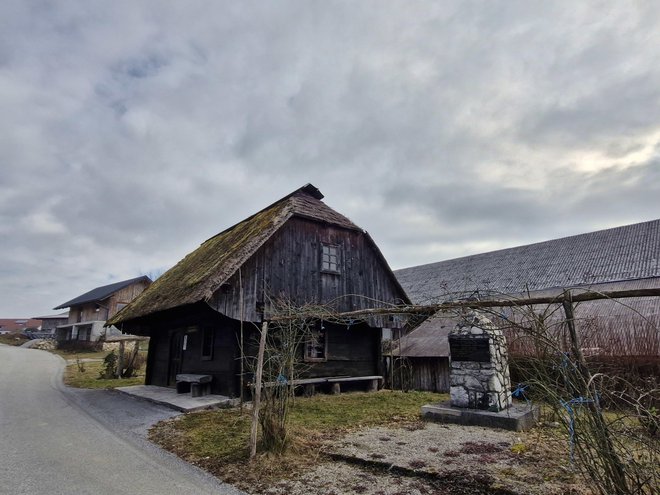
pixel 621 258
pixel 297 249
pixel 49 324
pixel 89 311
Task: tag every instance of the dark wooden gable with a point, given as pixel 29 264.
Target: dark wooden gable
pixel 289 265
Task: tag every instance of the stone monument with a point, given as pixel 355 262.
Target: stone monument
pixel 480 386
pixel 479 373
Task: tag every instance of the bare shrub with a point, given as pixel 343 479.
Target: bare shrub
pixel 605 417
pixel 282 364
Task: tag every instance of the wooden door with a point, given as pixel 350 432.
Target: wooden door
pixel 176 356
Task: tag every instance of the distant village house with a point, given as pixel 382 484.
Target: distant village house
pixel 89 311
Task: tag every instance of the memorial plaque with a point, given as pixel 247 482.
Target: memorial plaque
pixel 469 349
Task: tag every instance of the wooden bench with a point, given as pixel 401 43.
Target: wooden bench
pixel 197 385
pixel 335 382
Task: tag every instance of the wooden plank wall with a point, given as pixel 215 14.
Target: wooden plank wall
pixel 224 366
pixel 351 352
pixel 89 313
pixel 125 295
pixel 427 374
pixel 289 265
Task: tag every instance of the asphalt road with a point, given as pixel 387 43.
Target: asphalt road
pixel 58 440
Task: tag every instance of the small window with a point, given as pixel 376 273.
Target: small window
pixel 330 259
pixel 207 344
pixel 121 306
pixel 316 346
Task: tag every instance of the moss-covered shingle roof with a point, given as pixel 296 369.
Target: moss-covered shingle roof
pixel 196 277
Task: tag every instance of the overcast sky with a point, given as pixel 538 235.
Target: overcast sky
pixel 132 131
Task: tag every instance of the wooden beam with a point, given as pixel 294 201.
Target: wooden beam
pixel 506 301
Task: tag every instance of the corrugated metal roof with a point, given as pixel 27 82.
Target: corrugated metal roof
pixel 622 253
pixel 624 327
pixel 101 293
pixel 621 258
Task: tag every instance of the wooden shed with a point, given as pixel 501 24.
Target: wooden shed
pixel 298 249
pixel 421 357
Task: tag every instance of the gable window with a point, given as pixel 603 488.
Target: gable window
pixel 330 258
pixel 207 343
pixel 316 346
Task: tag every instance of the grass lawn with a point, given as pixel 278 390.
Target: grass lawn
pixel 217 440
pixel 82 354
pixel 69 355
pixel 89 377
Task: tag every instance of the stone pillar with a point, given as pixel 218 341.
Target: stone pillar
pixel 479 373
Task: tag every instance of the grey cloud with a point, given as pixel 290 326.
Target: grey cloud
pixel 131 133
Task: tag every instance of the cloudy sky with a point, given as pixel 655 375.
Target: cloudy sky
pixel 131 131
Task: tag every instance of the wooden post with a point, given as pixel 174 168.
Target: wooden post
pixel 567 304
pixel 392 361
pixel 120 359
pixel 256 402
pixel 588 391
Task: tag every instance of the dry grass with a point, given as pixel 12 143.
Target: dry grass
pixel 217 440
pixel 89 378
pixel 73 355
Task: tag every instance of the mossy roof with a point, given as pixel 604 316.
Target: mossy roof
pixel 197 276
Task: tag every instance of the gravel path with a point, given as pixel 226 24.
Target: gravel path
pixel 429 459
